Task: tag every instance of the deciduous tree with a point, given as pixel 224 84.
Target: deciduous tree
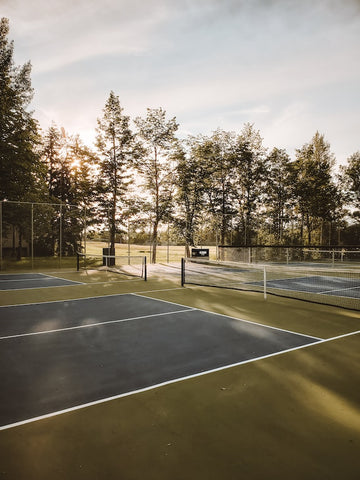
pixel 277 198
pixel 155 165
pixel 21 172
pixel 314 190
pixel 118 150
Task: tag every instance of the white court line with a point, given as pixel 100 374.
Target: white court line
pixel 159 300
pixel 187 308
pixel 107 322
pixel 41 279
pixel 169 382
pixel 62 278
pixel 24 273
pixel 42 286
pixel 133 279
pixel 306 292
pixel 26 279
pixel 87 298
pixel 340 290
pixel 234 318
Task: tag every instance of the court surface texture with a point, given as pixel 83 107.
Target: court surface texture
pixel 60 355
pixel 127 379
pixel 313 284
pixel 19 281
pixel 336 286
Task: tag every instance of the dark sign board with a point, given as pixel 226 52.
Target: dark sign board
pixel 200 253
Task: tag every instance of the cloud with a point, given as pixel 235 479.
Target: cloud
pixel 57 33
pixel 209 62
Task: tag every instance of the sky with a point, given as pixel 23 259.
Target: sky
pixel 290 67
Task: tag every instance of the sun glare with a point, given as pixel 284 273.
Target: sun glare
pixel 75 164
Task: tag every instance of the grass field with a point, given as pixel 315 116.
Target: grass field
pixel 164 253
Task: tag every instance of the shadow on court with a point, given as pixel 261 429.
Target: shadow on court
pixel 293 415
pixel 60 355
pixel 290 416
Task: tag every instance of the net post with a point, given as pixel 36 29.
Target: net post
pixel 78 255
pixel 145 269
pixel 85 228
pixel 168 242
pixel 1 235
pixel 60 234
pixel 32 236
pixel 265 283
pixel 182 272
pixel 128 241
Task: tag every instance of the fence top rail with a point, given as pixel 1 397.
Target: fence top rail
pixel 41 203
pixel 310 247
pixel 271 266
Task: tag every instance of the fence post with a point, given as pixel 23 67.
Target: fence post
pixel 182 272
pixel 145 269
pixel 60 234
pixel 1 236
pixel 85 229
pixel 217 244
pixel 32 236
pixel 265 296
pixel 168 243
pixel 128 239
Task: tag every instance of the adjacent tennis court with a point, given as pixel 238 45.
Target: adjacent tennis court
pixel 329 286
pixel 153 380
pixel 19 281
pixel 343 287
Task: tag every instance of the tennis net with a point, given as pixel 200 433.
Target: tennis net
pixel 128 265
pixel 319 256
pixel 332 287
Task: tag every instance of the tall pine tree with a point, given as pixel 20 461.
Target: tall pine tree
pixel 22 176
pixel 158 136
pixel 117 147
pixel 21 172
pixel 313 188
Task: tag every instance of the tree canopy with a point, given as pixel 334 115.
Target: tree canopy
pixel 225 187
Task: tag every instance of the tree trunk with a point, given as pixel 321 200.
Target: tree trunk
pixel 308 226
pixel 19 249
pixel 154 240
pixel 112 229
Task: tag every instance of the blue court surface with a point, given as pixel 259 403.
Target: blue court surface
pixel 19 281
pixel 66 354
pixel 324 285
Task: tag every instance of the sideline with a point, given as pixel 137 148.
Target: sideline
pixel 152 387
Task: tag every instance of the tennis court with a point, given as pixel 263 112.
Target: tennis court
pixel 323 285
pixel 319 285
pixel 19 281
pixel 134 379
pixel 103 347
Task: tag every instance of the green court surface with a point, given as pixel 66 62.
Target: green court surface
pixel 294 414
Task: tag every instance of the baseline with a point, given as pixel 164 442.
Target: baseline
pixel 162 384
pixel 41 374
